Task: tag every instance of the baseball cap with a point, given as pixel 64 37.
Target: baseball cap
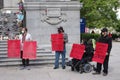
pixel 104 30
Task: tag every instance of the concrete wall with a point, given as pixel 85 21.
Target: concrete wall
pixel 41 30
pixel 10 3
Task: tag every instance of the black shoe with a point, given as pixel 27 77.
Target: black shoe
pixel 72 69
pixel 55 68
pixel 96 73
pixel 63 67
pixel 104 74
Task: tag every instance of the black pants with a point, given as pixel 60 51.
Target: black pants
pixel 105 65
pixel 76 64
pixel 25 62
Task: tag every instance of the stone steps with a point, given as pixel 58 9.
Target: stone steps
pixel 38 56
pixel 18 63
pixel 18 59
pixel 44 57
pixel 42 60
pixel 4 51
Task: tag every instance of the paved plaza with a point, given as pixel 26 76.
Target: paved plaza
pixel 48 73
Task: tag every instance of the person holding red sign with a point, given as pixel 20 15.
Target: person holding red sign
pixel 104 39
pixel 25 36
pixel 62 53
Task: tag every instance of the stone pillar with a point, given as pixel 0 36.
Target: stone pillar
pixel 1 4
pixel 43 19
pixel 9 4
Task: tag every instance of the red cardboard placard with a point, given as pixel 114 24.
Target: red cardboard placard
pixel 77 51
pixel 100 52
pixel 29 49
pixel 57 42
pixel 13 48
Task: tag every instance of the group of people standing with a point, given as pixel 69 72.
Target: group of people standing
pixel 104 38
pixel 25 36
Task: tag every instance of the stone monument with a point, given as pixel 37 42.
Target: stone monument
pixel 11 5
pixel 43 17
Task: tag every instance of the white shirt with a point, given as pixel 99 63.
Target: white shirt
pixel 27 38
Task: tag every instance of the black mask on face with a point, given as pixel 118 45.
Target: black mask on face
pixel 103 34
pixel 59 31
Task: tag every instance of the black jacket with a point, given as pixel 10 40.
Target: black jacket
pixel 108 40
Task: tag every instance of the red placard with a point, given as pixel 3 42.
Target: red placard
pixel 100 52
pixel 13 48
pixel 57 42
pixel 77 51
pixel 29 50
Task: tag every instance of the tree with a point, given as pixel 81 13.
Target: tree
pixel 118 27
pixel 100 13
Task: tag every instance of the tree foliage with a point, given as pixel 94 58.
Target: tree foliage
pixel 100 13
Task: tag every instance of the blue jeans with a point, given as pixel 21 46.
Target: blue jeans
pixel 57 56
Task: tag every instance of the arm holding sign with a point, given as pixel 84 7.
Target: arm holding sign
pixel 109 45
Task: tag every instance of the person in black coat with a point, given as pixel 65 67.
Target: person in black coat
pixel 104 38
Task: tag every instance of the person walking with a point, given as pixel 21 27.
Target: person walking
pixel 62 53
pixel 25 36
pixel 104 38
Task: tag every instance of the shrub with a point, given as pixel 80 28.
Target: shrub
pixel 115 36
pixel 88 36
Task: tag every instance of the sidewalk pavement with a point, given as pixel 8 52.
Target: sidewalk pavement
pixel 48 73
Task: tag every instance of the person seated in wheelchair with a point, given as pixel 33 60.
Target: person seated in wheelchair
pixel 89 50
pixel 83 64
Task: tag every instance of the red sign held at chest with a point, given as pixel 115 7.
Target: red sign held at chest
pixel 100 52
pixel 57 42
pixel 77 51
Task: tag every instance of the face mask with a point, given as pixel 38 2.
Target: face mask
pixel 103 33
pixel 23 32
